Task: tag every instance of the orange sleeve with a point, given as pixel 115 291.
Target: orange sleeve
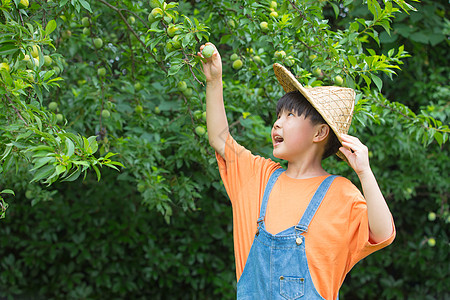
pixel 359 233
pixel 240 169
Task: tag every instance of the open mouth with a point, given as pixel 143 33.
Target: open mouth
pixel 277 140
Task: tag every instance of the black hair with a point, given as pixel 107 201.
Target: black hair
pixel 296 102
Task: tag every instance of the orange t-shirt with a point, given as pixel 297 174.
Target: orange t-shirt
pixel 338 236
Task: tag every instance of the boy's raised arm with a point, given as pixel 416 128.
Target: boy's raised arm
pixel 216 118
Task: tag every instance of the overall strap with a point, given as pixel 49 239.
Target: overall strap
pixel 273 178
pixel 314 204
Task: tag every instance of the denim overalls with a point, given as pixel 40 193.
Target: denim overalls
pixel 276 266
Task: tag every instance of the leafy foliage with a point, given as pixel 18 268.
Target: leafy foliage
pixel 83 82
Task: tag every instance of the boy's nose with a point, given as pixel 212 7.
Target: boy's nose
pixel 277 123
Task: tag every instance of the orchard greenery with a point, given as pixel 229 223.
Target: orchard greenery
pixel 91 83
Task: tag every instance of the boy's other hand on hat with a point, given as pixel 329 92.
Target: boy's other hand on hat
pixel 356 152
pixel 212 66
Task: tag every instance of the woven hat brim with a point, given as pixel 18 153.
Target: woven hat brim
pixel 290 83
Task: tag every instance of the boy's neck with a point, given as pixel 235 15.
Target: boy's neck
pixel 302 169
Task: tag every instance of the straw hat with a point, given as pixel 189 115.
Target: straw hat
pixel 335 104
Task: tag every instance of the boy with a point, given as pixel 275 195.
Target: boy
pixel 297 232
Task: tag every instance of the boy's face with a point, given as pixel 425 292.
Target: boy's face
pixel 292 135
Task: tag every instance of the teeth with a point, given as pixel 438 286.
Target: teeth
pixel 278 138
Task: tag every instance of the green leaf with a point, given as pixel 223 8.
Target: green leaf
pixel 85 5
pixel 377 80
pixel 51 26
pixel 43 173
pixel 7 192
pixel 97 171
pixel 70 147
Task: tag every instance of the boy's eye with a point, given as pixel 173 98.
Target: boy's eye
pixel 289 114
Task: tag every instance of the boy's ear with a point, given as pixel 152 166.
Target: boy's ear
pixel 322 132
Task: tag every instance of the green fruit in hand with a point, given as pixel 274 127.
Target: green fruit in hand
pixel 47 60
pixel 264 26
pixel 86 31
pixel 257 59
pixel 98 43
pixel 59 118
pixel 172 30
pixel 280 54
pixel 432 216
pixel 431 242
pixel 24 4
pixel 85 22
pixel 53 106
pixel 157 110
pixel 153 3
pixel 237 64
pixel 106 114
pixel 200 130
pixel 273 4
pixel 208 51
pixel 318 72
pixel 139 109
pixel 101 72
pixel 182 86
pixel 338 80
pixel 274 14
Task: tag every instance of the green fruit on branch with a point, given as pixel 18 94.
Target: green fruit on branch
pixel 85 22
pixel 101 72
pixel 231 23
pixel 98 43
pixel 208 51
pixel 197 114
pixel 280 54
pixel 172 30
pixel 24 4
pixel 273 4
pixel 29 195
pixel 131 20
pixel 317 72
pixel 4 66
pixel 188 92
pixel 312 57
pixel 338 80
pixel 157 13
pixel 234 56
pixel 204 116
pixel 237 64
pixel 53 106
pixel 157 110
pixel 432 216
pixel 139 109
pixel 66 34
pixel 35 51
pixel 431 242
pixel 154 3
pixel 257 59
pixel 274 14
pixel 47 60
pixel 264 26
pixel 200 130
pixel 106 114
pixel 59 118
pixel 138 86
pixel 182 86
pixel 86 31
pixel 290 61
